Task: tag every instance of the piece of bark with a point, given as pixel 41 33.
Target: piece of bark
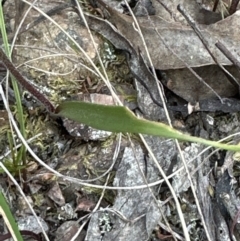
pixel 138 212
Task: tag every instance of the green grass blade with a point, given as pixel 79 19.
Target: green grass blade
pixel 120 119
pixel 9 219
pixel 22 155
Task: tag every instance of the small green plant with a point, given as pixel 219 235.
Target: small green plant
pixel 109 118
pixel 20 156
pixel 121 119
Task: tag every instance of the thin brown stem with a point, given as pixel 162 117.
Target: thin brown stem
pixel 20 79
pixel 233 7
pixel 198 32
pixel 228 54
pixel 215 5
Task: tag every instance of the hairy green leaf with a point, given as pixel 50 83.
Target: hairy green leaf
pixel 121 119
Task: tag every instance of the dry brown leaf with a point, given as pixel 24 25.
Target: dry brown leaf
pixel 55 194
pixel 183 83
pixel 180 39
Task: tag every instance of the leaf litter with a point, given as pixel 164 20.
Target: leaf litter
pixel 130 210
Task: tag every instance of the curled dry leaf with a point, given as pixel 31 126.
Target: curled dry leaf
pixel 55 194
pixel 85 205
pixel 68 230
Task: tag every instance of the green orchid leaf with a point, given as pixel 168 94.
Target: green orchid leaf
pixel 121 119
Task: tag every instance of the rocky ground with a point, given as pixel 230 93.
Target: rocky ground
pixel 88 184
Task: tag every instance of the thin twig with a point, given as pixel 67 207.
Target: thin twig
pixel 196 29
pixel 233 7
pixel 228 54
pixel 215 5
pixel 189 68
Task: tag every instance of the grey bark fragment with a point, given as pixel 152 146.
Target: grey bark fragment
pixel 180 181
pixel 164 150
pixel 30 223
pixel 136 212
pixel 149 109
pixel 221 227
pixel 202 183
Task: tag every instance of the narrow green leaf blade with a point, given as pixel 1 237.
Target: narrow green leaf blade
pixel 9 219
pixel 120 119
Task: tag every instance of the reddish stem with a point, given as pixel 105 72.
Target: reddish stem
pixel 29 87
pixel 233 7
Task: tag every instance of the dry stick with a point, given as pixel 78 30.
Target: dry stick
pixel 215 5
pixel 228 54
pixel 8 64
pixel 196 29
pixel 233 7
pixel 189 68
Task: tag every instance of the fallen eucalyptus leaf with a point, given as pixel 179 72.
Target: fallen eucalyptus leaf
pixel 180 39
pixel 120 119
pixel 183 83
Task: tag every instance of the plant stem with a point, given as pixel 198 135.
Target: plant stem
pixel 19 77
